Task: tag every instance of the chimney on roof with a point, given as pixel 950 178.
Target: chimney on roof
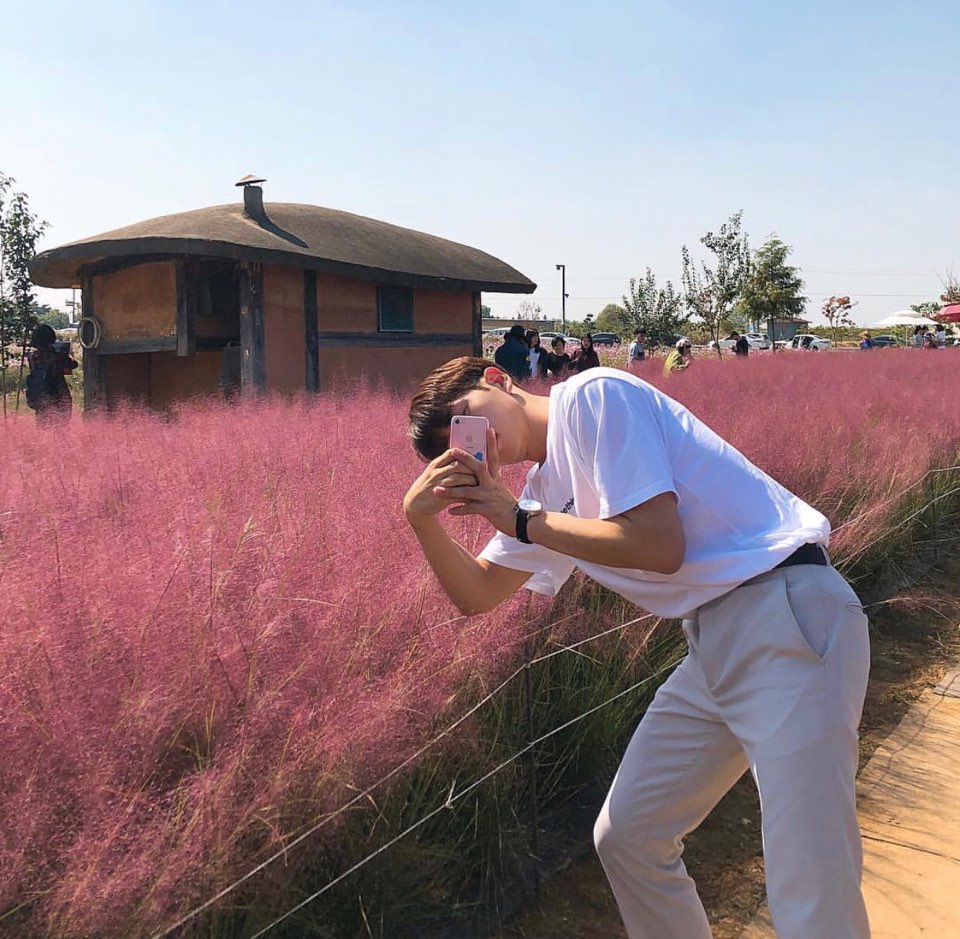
pixel 253 198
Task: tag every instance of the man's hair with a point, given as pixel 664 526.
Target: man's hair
pixel 518 332
pixel 431 406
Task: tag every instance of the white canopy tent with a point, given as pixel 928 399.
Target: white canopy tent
pixel 904 318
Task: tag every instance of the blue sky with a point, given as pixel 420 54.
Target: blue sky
pixel 602 136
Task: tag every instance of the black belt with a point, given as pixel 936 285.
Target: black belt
pixel 806 554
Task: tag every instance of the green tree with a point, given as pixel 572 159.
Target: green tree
pixel 838 335
pixel 773 288
pixel 44 313
pixel 710 292
pixel 927 308
pixel 658 310
pixel 484 310
pixel 611 318
pixel 19 231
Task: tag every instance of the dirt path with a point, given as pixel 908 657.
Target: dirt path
pixel 909 808
pixel 913 645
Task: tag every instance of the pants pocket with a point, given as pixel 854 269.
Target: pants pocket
pixel 819 604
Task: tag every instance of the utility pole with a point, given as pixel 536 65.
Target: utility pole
pixel 563 297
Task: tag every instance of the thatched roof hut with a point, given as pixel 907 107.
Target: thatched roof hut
pixel 293 292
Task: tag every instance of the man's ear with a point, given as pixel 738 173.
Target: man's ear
pixel 493 376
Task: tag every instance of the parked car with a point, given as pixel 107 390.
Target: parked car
pixel 606 339
pixel 754 340
pixel 548 337
pixel 757 340
pixel 884 341
pixel 809 341
pixel 497 333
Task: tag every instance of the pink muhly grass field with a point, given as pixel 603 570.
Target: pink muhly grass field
pixel 848 431
pixel 217 626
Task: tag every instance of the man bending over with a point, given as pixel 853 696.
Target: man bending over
pixel 635 491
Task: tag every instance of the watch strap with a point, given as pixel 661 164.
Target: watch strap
pixel 522 518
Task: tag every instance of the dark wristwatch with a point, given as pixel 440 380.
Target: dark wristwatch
pixel 526 509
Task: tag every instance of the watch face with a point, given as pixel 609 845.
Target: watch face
pixel 530 506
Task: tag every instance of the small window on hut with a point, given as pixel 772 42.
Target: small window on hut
pixel 217 301
pixel 395 305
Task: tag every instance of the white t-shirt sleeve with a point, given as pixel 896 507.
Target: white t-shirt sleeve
pixel 619 443
pixel 550 569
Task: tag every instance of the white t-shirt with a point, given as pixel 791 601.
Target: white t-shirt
pixel 613 442
pixel 534 359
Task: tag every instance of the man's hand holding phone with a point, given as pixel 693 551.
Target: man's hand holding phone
pixel 465 481
pixel 469 435
pixel 486 495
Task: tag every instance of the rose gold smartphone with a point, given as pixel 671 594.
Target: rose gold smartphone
pixel 469 432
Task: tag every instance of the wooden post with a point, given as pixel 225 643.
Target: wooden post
pixel 477 324
pixel 93 364
pixel 311 330
pixel 253 365
pixel 187 272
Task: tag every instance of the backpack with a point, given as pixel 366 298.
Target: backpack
pixel 40 386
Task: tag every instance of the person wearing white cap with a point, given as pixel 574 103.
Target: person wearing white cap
pixel 679 359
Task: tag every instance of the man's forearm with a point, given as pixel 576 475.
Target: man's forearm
pixel 648 538
pixel 462 576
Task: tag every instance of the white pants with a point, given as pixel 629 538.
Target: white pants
pixel 774 681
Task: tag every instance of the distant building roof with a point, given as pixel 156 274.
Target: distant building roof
pixel 306 236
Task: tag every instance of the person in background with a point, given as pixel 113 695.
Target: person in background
pixel 558 360
pixel 511 356
pixel 638 349
pixel 941 335
pixel 866 342
pixel 50 363
pixel 918 337
pixel 586 356
pixel 536 356
pixel 741 347
pixel 679 359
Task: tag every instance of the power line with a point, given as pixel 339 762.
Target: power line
pixel 676 275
